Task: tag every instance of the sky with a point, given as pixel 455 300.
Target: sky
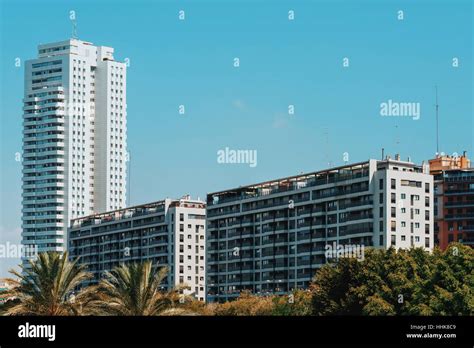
pixel 283 62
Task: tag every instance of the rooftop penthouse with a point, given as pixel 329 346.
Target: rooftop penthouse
pixel 135 211
pixel 301 181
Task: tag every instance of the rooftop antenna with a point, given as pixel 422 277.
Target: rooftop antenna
pixel 437 118
pixel 397 138
pixel 74 27
pixel 129 176
pixel 326 133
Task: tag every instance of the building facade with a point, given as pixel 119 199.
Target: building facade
pixel 272 237
pixel 453 200
pixel 74 139
pixel 169 233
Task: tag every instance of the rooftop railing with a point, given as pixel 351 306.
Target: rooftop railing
pixel 117 215
pixel 255 192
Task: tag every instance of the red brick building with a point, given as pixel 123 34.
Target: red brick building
pixel 453 200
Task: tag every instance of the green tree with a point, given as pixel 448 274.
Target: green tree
pixel 404 282
pixel 135 289
pixel 298 303
pixel 47 287
pixel 246 305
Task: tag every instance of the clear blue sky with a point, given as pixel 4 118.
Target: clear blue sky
pixel 283 62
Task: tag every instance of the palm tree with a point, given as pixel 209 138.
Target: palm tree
pixel 135 289
pixel 47 287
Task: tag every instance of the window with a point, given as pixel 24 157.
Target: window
pixel 404 224
pixel 381 212
pixel 393 198
pixel 393 183
pixel 417 225
pixel 381 240
pixel 403 238
pixel 427 228
pixel 381 184
pixel 393 211
pixel 427 188
pixel 381 198
pixel 181 217
pixel 427 201
pixel 380 226
pixel 427 215
pixel 427 242
pixel 404 195
pixel 181 237
pixel 403 210
pixel 393 226
pixel 393 239
pixel 417 239
pixel 181 228
pixel 411 183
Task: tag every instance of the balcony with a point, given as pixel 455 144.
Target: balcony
pixel 467 216
pixel 459 192
pixel 356 217
pixel 459 204
pixel 356 204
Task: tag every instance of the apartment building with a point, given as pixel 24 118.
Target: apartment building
pixel 169 233
pixel 453 200
pixel 74 139
pixel 271 237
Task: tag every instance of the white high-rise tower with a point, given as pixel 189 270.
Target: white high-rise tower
pixel 74 139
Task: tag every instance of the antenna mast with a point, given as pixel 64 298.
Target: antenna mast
pixel 397 137
pixel 74 28
pixel 129 177
pixel 326 133
pixel 437 120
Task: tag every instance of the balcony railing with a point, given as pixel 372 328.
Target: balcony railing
pixel 459 216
